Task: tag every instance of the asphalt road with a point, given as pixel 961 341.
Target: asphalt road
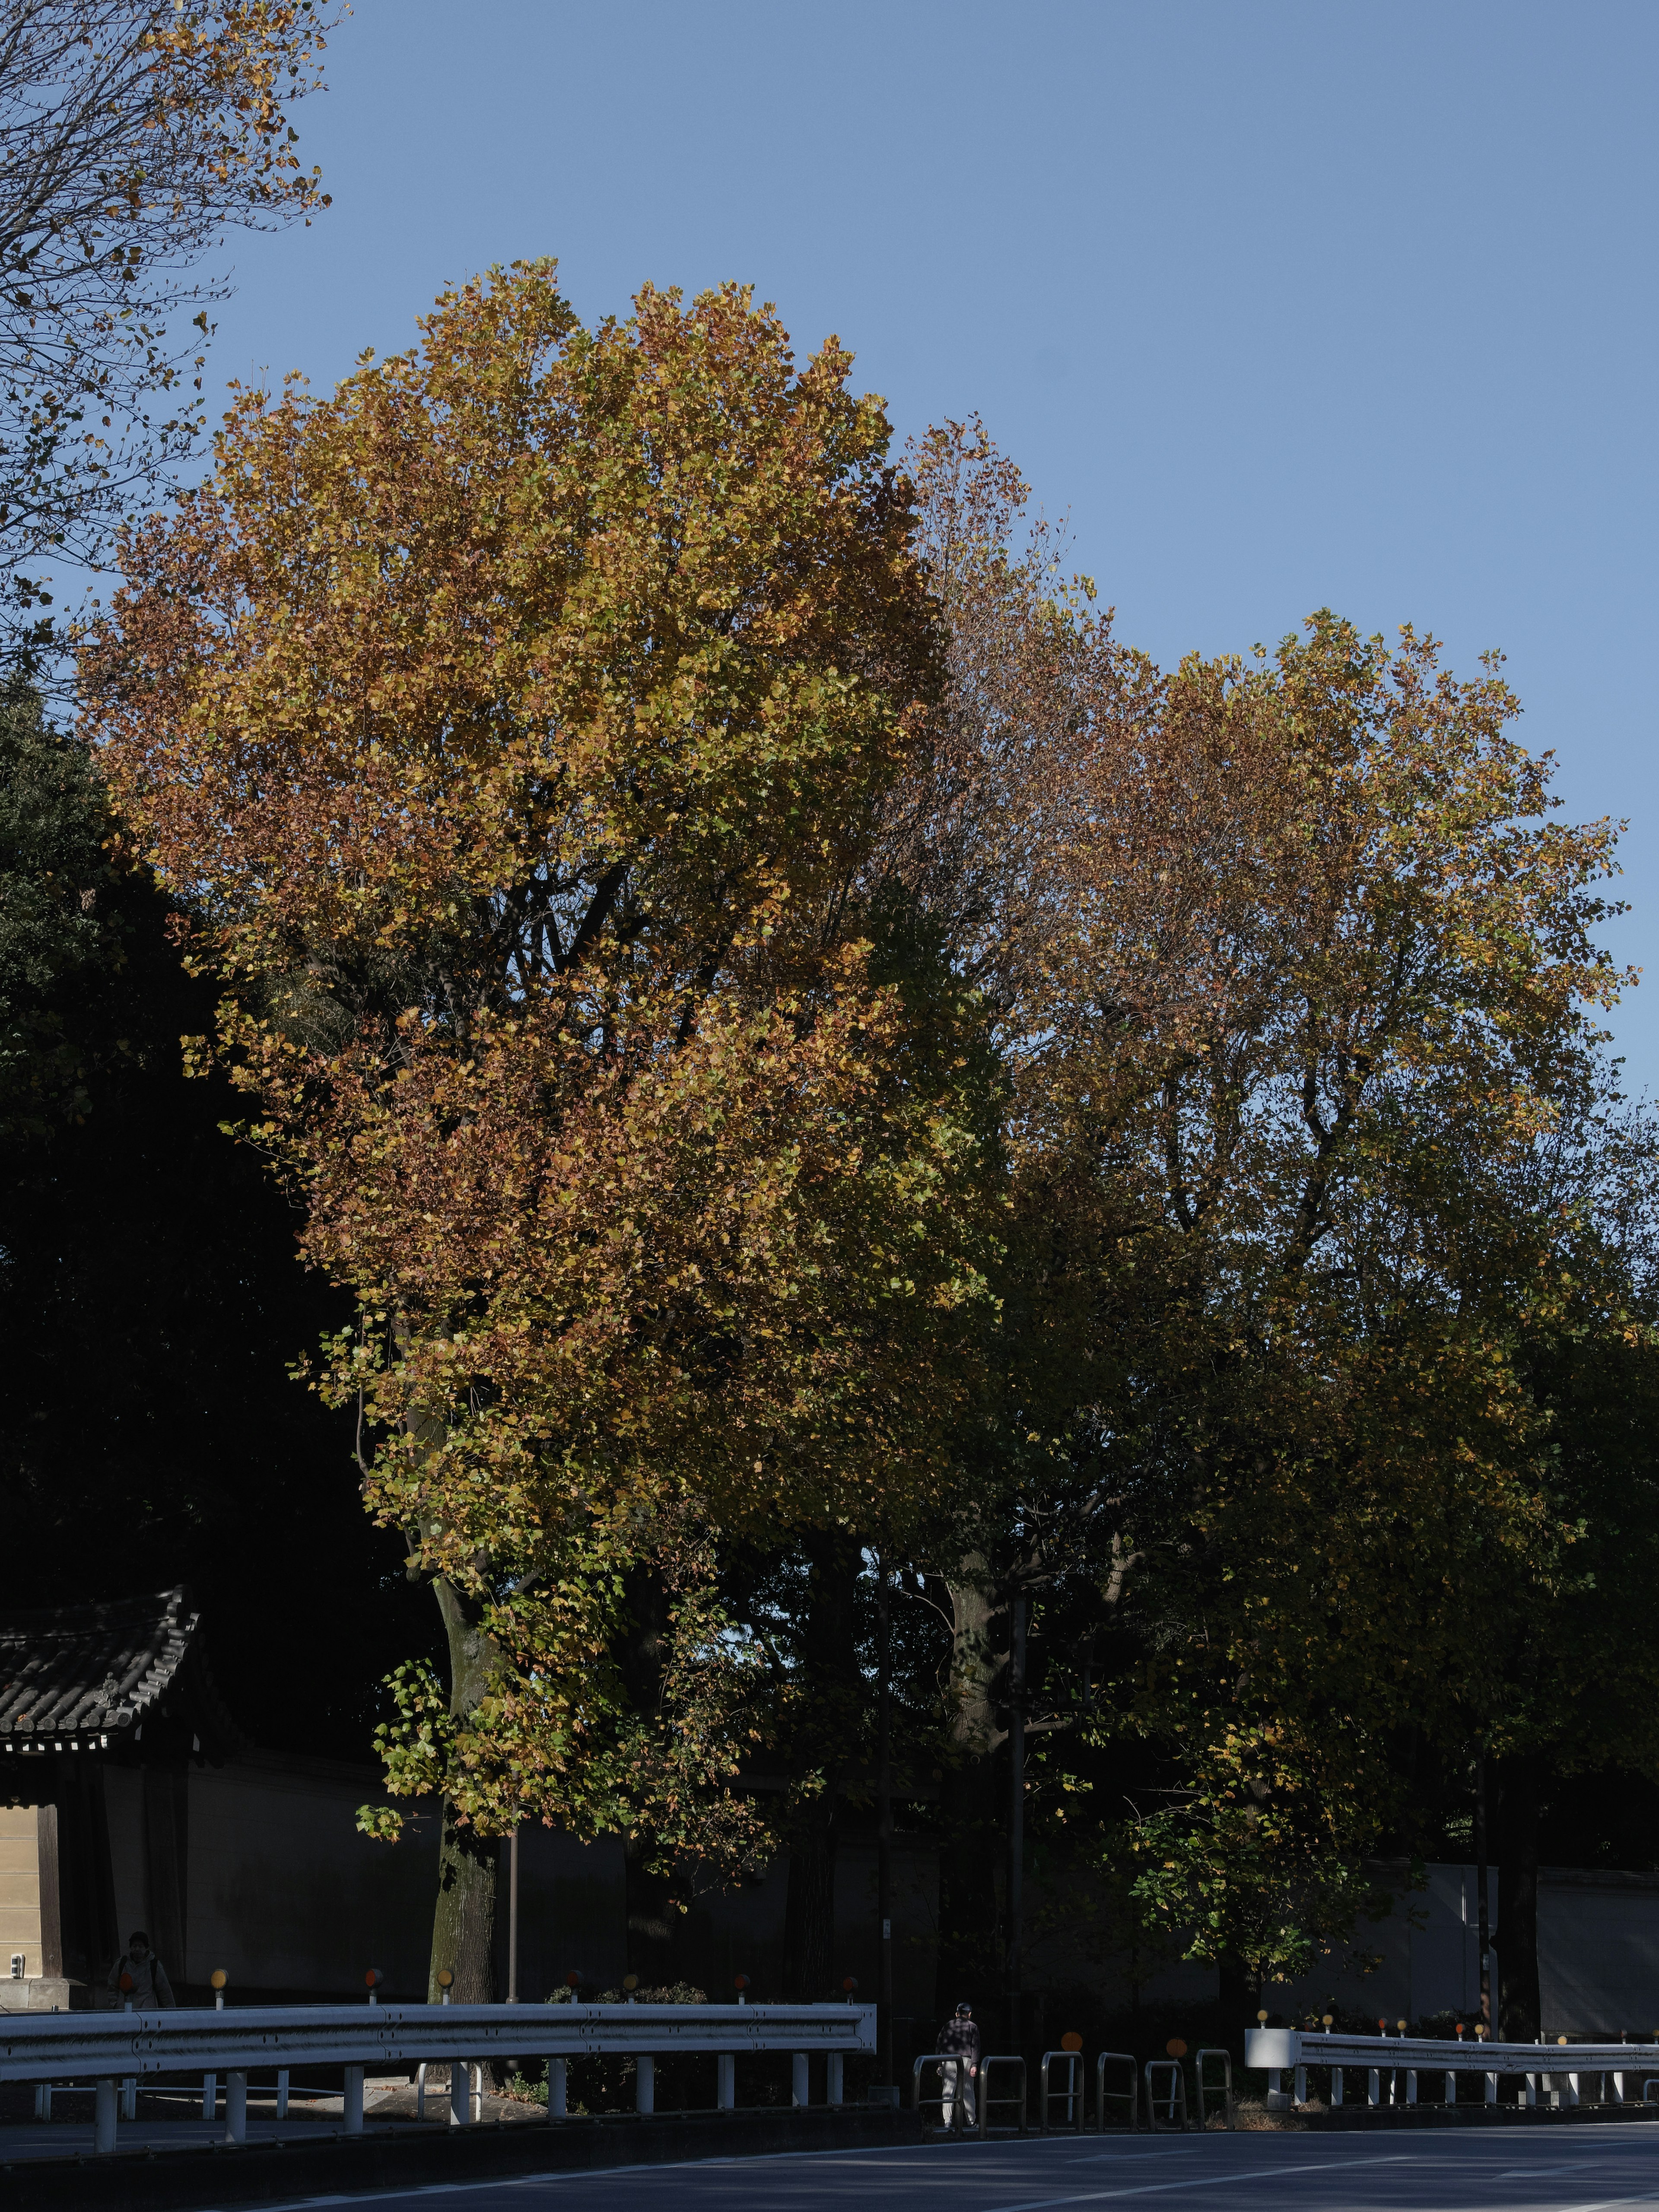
pixel 1583 2168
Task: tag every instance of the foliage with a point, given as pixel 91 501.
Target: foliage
pixel 519 718
pixel 131 136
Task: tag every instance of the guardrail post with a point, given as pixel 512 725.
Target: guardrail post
pixel 1411 2084
pixel 996 2058
pixel 104 2123
pixel 282 2093
pixel 354 2100
pixel 1491 2089
pixel 726 2081
pixel 1177 2095
pixel 1226 2058
pixel 1301 2078
pixel 236 2108
pixel 1451 2088
pixel 645 2085
pixel 557 2093
pixel 1373 2088
pixel 1133 2092
pixel 130 2097
pixel 800 2080
pixel 460 2093
pixel 1336 2085
pixel 209 2096
pixel 832 2079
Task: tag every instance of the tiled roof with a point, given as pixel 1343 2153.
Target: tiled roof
pixel 79 1677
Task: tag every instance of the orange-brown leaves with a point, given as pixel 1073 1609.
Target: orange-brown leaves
pixel 531 606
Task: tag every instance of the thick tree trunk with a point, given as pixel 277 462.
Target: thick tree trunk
pixel 648 1899
pixel 1519 2017
pixel 971 1932
pixel 827 1743
pixel 809 1930
pixel 464 1924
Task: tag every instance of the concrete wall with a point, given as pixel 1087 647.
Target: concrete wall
pixel 20 1889
pixel 1598 1952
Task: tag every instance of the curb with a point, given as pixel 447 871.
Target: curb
pixel 257 2173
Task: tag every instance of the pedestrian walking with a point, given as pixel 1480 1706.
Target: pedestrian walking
pixel 138 1978
pixel 959 2038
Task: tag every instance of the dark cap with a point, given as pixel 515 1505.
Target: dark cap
pixel 964 2006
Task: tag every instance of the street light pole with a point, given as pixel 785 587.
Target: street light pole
pixel 884 1820
pixel 1016 1816
pixel 512 1918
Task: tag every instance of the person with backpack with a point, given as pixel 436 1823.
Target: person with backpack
pixel 139 1979
pixel 959 2039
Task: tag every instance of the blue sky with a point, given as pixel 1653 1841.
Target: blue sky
pixel 1286 305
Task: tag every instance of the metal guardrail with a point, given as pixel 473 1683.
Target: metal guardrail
pixel 1225 2092
pixel 1133 2092
pixel 1400 2059
pixel 1072 2092
pixel 117 2049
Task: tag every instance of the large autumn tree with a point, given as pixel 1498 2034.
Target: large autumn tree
pixel 518 719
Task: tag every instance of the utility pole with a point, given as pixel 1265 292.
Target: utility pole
pixel 884 1820
pixel 1480 1886
pixel 1016 1816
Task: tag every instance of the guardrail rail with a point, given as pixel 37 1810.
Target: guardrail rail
pixel 115 2051
pixel 1399 2060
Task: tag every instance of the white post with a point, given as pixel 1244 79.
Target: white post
pixel 1491 2089
pixel 832 2089
pixel 1275 2092
pixel 556 2093
pixel 209 2096
pixel 460 2094
pixel 1572 2088
pixel 800 2079
pixel 645 2085
pixel 354 2100
pixel 1451 2088
pixel 236 2108
pixel 1374 2088
pixel 726 2081
pixel 1336 2085
pixel 475 2076
pixel 1411 2084
pixel 282 2093
pixel 1617 2088
pixel 1301 2085
pixel 130 2097
pixel 104 2125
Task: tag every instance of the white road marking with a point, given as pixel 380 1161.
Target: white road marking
pixel 1236 2176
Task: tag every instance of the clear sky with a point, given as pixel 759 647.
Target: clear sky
pixel 1288 305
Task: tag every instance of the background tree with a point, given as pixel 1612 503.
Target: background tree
pixel 132 135
pixel 149 1296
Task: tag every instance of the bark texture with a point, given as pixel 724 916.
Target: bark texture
pixel 972 1793
pixel 464 1923
pixel 1519 2020
pixel 651 1914
pixel 827 1744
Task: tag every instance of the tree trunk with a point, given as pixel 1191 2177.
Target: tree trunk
pixel 809 1925
pixel 827 1743
pixel 648 1899
pixel 464 1924
pixel 1519 2015
pixel 972 1936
